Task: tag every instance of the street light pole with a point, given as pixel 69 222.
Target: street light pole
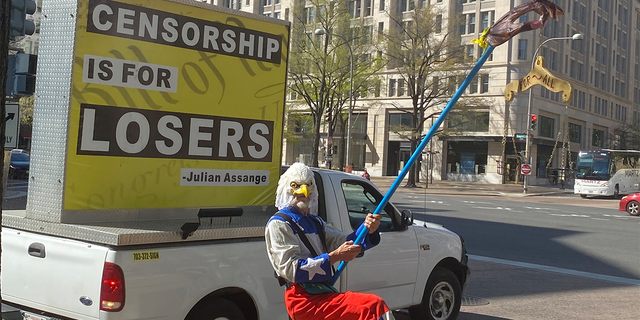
pixel 577 36
pixel 321 32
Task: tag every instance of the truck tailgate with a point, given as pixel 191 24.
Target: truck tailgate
pixel 52 274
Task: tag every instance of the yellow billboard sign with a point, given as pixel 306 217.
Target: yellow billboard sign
pixel 174 105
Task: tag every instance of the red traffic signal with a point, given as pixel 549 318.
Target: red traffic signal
pixel 534 121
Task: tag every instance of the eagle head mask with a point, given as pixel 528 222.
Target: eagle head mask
pixel 297 181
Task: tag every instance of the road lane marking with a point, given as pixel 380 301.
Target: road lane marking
pixel 475 202
pixel 569 215
pixel 562 271
pixel 499 208
pixel 537 208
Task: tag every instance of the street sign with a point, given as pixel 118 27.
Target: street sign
pixel 525 169
pixel 520 137
pixel 12 120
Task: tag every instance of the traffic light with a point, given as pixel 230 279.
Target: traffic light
pixel 21 74
pixel 19 23
pixel 534 122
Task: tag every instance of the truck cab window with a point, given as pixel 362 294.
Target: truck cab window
pixel 361 200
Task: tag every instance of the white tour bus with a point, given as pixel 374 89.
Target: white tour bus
pixel 607 172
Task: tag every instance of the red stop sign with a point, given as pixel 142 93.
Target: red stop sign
pixel 525 169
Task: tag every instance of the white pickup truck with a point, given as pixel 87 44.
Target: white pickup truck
pixel 215 265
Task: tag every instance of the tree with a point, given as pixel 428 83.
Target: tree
pixel 626 136
pixel 319 66
pixel 26 110
pixel 429 58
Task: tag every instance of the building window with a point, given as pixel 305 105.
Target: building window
pixel 462 28
pixel 451 85
pixel 400 119
pixel 597 138
pixel 439 23
pixel 467 157
pixel 474 121
pixel 575 132
pixel 546 127
pixel 522 49
pixel 400 87
pixel 392 87
pixel 473 85
pixel 484 17
pixel 308 13
pixel 471 23
pixel 301 123
pixel 484 79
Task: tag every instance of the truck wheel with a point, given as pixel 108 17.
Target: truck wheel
pixel 441 299
pixel 216 309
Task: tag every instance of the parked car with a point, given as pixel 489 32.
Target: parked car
pixel 631 204
pixel 19 165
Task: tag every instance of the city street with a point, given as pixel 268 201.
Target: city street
pixel 543 257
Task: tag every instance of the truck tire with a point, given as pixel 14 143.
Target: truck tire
pixel 216 309
pixel 441 299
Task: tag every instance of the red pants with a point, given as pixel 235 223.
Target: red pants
pixel 330 306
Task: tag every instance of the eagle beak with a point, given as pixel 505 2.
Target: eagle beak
pixel 302 190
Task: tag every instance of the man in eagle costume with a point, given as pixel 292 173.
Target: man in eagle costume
pixel 306 271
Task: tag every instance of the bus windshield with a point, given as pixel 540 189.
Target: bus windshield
pixel 593 166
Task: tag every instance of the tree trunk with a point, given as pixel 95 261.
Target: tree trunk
pixel 411 182
pixel 316 140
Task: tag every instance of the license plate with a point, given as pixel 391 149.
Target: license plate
pixel 31 316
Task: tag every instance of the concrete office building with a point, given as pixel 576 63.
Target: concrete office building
pixel 603 69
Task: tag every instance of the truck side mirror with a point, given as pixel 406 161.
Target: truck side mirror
pixel 407 218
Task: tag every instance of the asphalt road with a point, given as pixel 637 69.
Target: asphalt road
pixel 560 257
pixel 550 231
pixel 541 257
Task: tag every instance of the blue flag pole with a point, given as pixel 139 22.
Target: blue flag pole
pixel 385 200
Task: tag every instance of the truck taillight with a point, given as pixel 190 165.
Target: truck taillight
pixel 112 288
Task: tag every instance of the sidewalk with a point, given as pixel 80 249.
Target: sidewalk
pixel 471 188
